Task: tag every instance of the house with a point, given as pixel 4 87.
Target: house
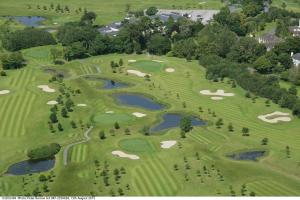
pixel 111 29
pixel 296 59
pixel 165 16
pixel 269 40
pixel 295 30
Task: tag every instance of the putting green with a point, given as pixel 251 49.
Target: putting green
pixel 136 145
pixel 148 65
pixel 37 53
pixel 112 118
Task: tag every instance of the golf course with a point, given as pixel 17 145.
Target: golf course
pixel 149 106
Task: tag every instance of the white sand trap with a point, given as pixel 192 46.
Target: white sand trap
pixel 137 114
pixel 4 92
pixel 157 60
pixel 46 88
pixel 81 105
pixel 109 112
pixel 131 61
pixel 217 93
pixel 52 102
pixel 275 117
pixel 217 98
pixel 170 70
pixel 167 144
pixel 125 155
pixel 138 73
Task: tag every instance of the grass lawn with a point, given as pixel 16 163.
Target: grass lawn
pixel 107 11
pixel 196 165
pixel 148 65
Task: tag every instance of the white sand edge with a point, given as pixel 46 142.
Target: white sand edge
pixel 46 88
pixel 4 92
pixel 81 105
pixel 216 98
pixel 138 114
pixel 109 112
pixel 167 144
pixel 52 102
pixel 219 92
pixel 125 155
pixel 284 117
pixel 131 61
pixel 137 73
pixel 170 70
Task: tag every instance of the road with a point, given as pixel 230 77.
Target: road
pixel 86 139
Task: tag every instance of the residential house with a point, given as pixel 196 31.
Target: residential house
pixel 269 40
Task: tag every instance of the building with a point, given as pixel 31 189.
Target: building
pixel 269 40
pixel 204 15
pixel 111 29
pixel 296 59
pixel 295 30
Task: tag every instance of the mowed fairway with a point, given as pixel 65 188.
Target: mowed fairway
pixel 196 165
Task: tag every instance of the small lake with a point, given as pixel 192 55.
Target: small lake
pixel 248 155
pixel 172 120
pixel 138 100
pixel 108 84
pixel 28 166
pixel 30 21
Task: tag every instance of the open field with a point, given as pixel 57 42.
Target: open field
pixel 107 11
pixel 24 115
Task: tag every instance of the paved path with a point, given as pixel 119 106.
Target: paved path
pixel 86 139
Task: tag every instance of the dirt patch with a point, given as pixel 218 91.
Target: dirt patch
pixel 122 154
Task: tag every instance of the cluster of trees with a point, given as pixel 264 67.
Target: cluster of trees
pixel 260 85
pixel 44 152
pixel 29 37
pixel 12 60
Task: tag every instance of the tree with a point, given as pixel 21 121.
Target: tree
pixel 12 60
pixel 127 131
pixel 88 18
pixel 55 54
pixel 219 123
pixel 186 124
pixel 263 65
pixel 293 90
pixel 44 152
pixel 245 131
pixel 64 112
pixel 59 126
pixel 121 62
pixel 53 117
pixel 151 11
pixel 182 134
pixel 3 73
pixel 230 127
pixel 73 124
pixel 264 141
pixel 102 135
pixel 158 45
pixel 146 130
pixel 42 178
pixel 117 126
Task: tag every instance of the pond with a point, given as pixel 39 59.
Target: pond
pixel 172 120
pixel 248 155
pixel 31 21
pixel 108 84
pixel 138 100
pixel 28 167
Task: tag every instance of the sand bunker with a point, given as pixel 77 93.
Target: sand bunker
pixel 275 117
pixel 157 60
pixel 109 112
pixel 217 93
pixel 216 98
pixel 4 92
pixel 125 155
pixel 138 73
pixel 46 88
pixel 52 102
pixel 167 144
pixel 131 61
pixel 170 70
pixel 137 114
pixel 81 105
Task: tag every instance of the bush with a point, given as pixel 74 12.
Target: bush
pixel 13 60
pixel 44 152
